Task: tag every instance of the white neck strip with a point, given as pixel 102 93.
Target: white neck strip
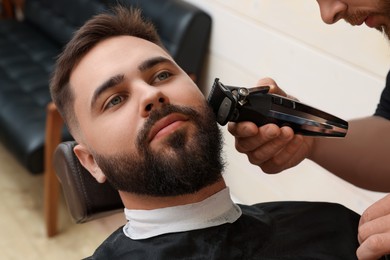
pixel 213 211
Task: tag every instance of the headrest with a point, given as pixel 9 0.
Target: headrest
pixel 85 197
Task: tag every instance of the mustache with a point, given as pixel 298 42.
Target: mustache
pixel 157 114
pixel 356 17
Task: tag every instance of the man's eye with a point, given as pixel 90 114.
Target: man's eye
pixel 114 101
pixel 163 76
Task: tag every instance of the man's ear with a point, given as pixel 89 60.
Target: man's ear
pixel 88 161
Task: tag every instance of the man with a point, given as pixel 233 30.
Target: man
pixel 143 125
pixel 361 158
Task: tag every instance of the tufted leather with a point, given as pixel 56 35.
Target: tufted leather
pixel 28 50
pixel 27 54
pixel 183 28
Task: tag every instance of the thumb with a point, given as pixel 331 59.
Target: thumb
pixel 274 88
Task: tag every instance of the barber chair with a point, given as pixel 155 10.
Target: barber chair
pixel 85 197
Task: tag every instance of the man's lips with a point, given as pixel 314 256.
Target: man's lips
pixel 374 21
pixel 166 125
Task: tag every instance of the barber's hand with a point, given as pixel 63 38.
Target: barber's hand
pixel 272 148
pixel 374 231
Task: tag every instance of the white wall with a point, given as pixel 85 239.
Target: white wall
pixel 339 69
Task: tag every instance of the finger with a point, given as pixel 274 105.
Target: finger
pixel 375 226
pixel 292 154
pixel 274 88
pixel 265 134
pixel 243 129
pixel 376 210
pixel 271 148
pixel 266 82
pixel 292 97
pixel 374 247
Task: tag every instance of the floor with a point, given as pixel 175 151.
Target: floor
pixel 22 224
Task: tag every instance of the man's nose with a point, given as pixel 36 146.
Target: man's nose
pixel 152 98
pixel 331 10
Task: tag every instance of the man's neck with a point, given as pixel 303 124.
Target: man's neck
pixel 142 202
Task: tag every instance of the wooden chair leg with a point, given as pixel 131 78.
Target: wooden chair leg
pixel 54 125
pixel 7 9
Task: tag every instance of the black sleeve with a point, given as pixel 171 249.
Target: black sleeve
pixel 383 108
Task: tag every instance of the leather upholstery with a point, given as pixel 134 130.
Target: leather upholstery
pixel 183 28
pixel 27 55
pixel 85 197
pixel 28 50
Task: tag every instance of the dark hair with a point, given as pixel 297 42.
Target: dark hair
pixel 119 21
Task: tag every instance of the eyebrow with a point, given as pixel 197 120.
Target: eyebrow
pixel 108 84
pixel 118 79
pixel 150 63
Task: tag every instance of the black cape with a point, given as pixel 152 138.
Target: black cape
pixel 274 230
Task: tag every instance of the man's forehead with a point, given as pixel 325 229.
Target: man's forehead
pixel 110 56
pixel 123 46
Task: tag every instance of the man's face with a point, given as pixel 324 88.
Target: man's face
pixel 374 13
pixel 143 122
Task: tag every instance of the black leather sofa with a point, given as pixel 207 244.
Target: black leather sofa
pixel 28 50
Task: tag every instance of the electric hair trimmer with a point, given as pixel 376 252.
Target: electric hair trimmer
pixel 237 104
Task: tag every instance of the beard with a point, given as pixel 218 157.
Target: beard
pixel 382 9
pixel 385 30
pixel 385 7
pixel 186 165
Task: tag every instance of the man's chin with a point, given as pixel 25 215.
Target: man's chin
pixel 157 145
pixel 161 149
pixel 168 145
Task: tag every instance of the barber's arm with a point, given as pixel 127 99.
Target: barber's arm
pixel 362 157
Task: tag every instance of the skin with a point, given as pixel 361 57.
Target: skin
pixel 146 77
pixel 275 149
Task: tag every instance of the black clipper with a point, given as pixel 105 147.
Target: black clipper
pixel 237 104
